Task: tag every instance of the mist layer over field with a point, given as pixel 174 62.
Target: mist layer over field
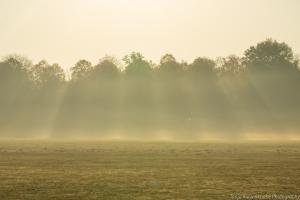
pixel 254 96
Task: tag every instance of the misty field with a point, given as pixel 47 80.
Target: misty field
pixel 40 170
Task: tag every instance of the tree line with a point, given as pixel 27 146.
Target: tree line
pixel 258 92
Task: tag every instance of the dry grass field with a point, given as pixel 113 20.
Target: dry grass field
pixel 42 170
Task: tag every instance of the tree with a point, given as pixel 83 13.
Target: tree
pixel 14 72
pixel 168 64
pixel 106 68
pixel 22 60
pixel 136 64
pixel 202 66
pixel 81 70
pixel 270 54
pixel 48 76
pixel 230 65
pixel 15 94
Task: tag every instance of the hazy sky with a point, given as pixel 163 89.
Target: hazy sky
pixel 65 31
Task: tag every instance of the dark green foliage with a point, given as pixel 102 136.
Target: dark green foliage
pixel 256 93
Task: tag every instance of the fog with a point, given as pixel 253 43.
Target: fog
pixel 255 96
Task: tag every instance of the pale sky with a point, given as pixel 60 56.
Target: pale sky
pixel 65 31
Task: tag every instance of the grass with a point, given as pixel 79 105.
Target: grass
pixel 42 170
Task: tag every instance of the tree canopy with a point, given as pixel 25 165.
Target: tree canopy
pixel 258 92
